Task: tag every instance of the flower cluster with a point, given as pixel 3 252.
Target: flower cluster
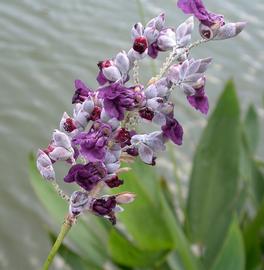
pixel 101 131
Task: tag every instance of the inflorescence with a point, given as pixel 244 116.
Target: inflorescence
pixel 102 131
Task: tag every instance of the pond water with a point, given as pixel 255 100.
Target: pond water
pixel 46 45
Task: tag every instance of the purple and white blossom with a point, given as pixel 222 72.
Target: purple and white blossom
pixel 102 129
pixel 212 25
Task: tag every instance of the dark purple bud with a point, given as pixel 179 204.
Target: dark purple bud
pixel 132 151
pixel 114 182
pixel 104 206
pixel 173 130
pixel 146 113
pixel 140 44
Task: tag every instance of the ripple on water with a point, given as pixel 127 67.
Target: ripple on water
pixel 45 45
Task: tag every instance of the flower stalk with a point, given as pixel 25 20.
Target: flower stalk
pixel 65 228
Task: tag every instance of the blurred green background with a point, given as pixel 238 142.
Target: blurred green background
pixel 46 45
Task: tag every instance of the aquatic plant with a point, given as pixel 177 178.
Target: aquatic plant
pixel 102 131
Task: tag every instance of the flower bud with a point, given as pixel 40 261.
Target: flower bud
pixel 160 21
pixel 44 166
pixel 125 198
pixel 67 123
pixel 43 159
pixel 140 44
pixel 122 62
pixel 137 30
pixel 151 91
pixel 183 32
pixel 113 181
pixel 204 64
pixel 157 22
pixel 154 103
pixel 79 201
pixel 60 153
pixel 47 173
pixel 81 119
pixel 174 73
pixel 188 89
pixel 111 73
pixel 88 106
pixel 146 113
pixel 61 139
pixel 134 55
pixel 229 30
pixel 167 39
pixel 112 167
pixel 151 33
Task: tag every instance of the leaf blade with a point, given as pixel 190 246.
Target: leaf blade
pixel 214 178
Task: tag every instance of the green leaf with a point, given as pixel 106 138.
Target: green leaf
pixel 149 220
pixel 253 237
pixel 257 181
pixel 72 258
pixel 89 237
pixel 214 179
pixel 126 253
pixel 232 255
pixel 252 129
pixel 143 218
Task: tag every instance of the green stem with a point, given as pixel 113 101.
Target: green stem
pixel 65 228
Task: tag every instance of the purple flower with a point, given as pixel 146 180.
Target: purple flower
pixel 199 100
pixel 197 8
pixel 105 207
pixel 86 176
pixel 118 98
pixel 93 143
pixel 165 41
pixel 81 92
pixel 173 130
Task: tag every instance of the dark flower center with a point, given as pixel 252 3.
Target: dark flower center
pixel 146 113
pixel 123 136
pixel 114 182
pixel 105 64
pixel 95 115
pixel 69 125
pixel 140 44
pixel 207 34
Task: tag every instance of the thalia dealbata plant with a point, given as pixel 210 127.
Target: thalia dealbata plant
pixel 102 129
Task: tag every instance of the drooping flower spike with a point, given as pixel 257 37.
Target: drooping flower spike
pixel 102 130
pixel 212 25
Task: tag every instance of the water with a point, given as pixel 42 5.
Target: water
pixel 45 46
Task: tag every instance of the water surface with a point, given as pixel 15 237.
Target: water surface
pixel 45 46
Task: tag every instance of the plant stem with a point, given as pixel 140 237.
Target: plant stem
pixel 65 228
